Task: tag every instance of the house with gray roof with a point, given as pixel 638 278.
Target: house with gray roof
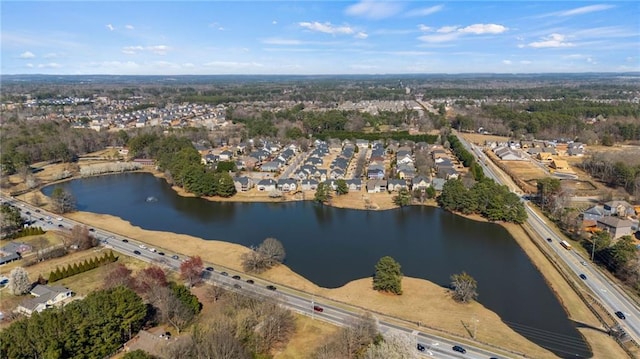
pixel 395 184
pixel 271 166
pixel 619 208
pixel 617 227
pixel 243 183
pixel 267 185
pixel 287 185
pixel 309 185
pixel 44 297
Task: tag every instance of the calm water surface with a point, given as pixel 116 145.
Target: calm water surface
pixel 332 246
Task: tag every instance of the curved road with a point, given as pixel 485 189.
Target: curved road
pixel 610 295
pixel 301 302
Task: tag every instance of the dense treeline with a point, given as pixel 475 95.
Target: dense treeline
pixel 466 157
pixel 94 327
pixel 398 136
pixel 182 163
pixel 567 118
pixel 487 198
pixel 616 170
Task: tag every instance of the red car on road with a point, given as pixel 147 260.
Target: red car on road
pixel 318 308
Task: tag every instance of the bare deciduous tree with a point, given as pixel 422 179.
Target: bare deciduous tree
pixel 172 310
pixel 464 287
pixel 120 275
pixel 393 346
pixel 19 282
pixel 272 251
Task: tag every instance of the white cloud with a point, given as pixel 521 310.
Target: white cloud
pixel 553 40
pixel 274 22
pixel 361 35
pixel 425 11
pixel 440 37
pixel 423 27
pixel 450 33
pixel 585 10
pixel 447 29
pixel 480 29
pixel 506 62
pixel 326 28
pixel 30 65
pixel 110 27
pixel 374 9
pixel 131 50
pixel 129 27
pixel 525 62
pixel 50 65
pixel 156 49
pixel 27 55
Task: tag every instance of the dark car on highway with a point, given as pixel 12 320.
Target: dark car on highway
pixel 250 281
pixel 318 308
pixel 136 252
pixel 125 240
pixel 210 269
pixel 583 276
pixel 224 273
pixel 236 277
pixel 270 287
pixel 620 315
pixel 421 347
pixel 237 286
pixel 459 349
pixel 548 239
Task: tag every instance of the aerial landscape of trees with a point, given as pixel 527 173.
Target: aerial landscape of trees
pixel 72 332
pixel 249 328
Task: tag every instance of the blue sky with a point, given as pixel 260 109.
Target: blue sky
pixel 324 37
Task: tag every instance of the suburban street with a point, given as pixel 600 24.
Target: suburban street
pixel 298 301
pixel 609 294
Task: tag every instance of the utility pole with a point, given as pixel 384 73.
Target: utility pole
pixel 593 246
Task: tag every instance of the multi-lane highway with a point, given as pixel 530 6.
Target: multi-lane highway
pixel 301 302
pixel 609 294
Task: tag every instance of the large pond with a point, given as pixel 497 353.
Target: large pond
pixel 332 246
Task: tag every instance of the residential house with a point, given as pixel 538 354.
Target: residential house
pixel 287 185
pixel 508 154
pixel 309 185
pixel 560 165
pixel 619 208
pixel 594 213
pixel 617 227
pixel 395 185
pixel 406 171
pixel 420 182
pixel 267 185
pixel 375 171
pixel 44 297
pixel 225 155
pixel 362 143
pixel 354 184
pixel 271 166
pixel 12 251
pixel 376 186
pixel 447 172
pixel 243 184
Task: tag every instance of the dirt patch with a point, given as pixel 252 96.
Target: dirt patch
pixel 481 139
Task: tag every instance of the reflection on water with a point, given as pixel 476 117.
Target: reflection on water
pixel 332 246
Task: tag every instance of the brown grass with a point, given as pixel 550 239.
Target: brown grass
pixel 481 139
